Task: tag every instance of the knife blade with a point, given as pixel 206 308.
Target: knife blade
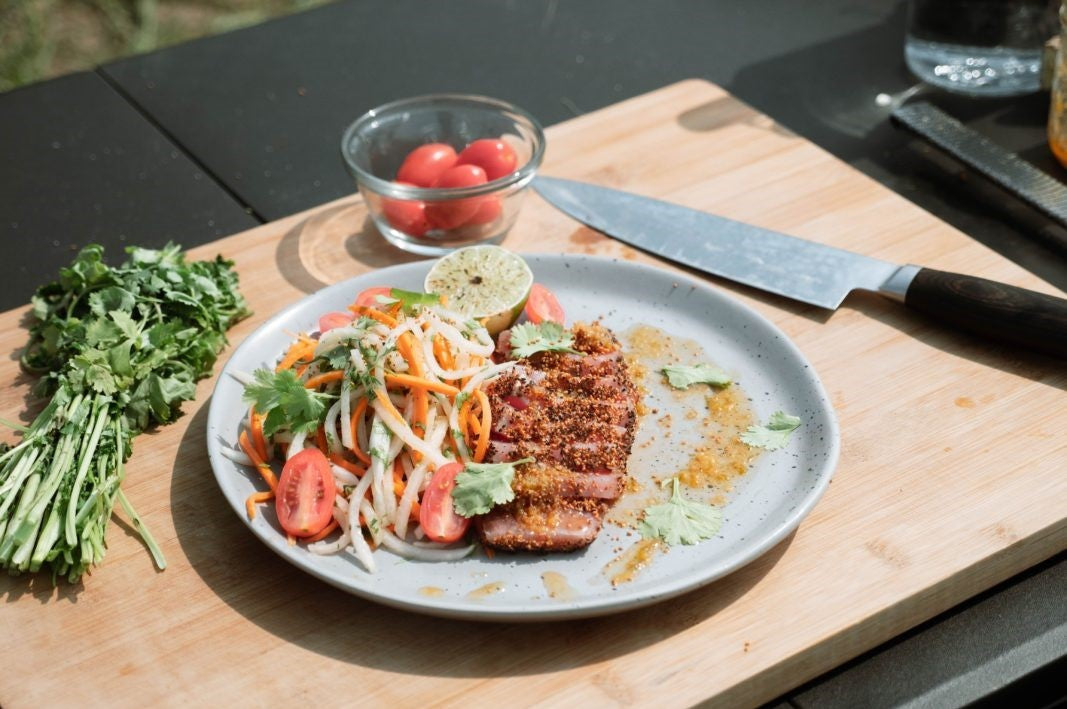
pixel 809 271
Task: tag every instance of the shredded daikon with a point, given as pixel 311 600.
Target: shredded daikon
pixel 383 450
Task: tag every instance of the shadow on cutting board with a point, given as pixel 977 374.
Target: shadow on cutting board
pixel 298 608
pixel 1013 360
pixel 309 254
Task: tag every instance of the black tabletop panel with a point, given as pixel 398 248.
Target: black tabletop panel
pixel 82 165
pixel 987 647
pixel 271 102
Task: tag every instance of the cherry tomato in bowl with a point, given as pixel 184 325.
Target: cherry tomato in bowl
pixel 494 156
pixel 542 305
pixel 488 211
pixel 453 213
pixel 407 215
pixel 305 494
pixel 426 163
pixel 436 514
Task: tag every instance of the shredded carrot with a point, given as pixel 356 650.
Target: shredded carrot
pixel 473 423
pixel 383 398
pixel 487 422
pixel 489 551
pixel 405 345
pixel 398 478
pixel 406 380
pixel 254 499
pixel 255 423
pixel 357 414
pixel 373 313
pixel 297 351
pixel 325 378
pixel 442 353
pixel 319 536
pixel 261 465
pixel 338 459
pixel 320 439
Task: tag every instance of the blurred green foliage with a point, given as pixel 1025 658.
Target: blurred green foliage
pixel 44 38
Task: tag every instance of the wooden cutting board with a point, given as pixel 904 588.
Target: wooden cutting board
pixel 950 479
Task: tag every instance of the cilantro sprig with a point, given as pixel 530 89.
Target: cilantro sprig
pixel 284 401
pixel 682 376
pixel 680 521
pixel 481 486
pixel 528 339
pixel 775 434
pixel 118 348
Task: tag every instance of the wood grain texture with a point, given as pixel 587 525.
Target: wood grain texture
pixel 1001 312
pixel 950 478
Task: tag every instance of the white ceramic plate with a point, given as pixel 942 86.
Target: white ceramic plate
pixel 768 503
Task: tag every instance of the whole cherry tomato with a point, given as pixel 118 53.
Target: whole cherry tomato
pixel 426 163
pixel 450 214
pixel 488 211
pixel 406 215
pixel 494 156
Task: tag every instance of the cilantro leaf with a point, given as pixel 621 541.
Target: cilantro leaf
pixel 684 376
pixel 680 521
pixel 125 323
pixel 528 339
pixel 482 485
pixel 338 357
pixel 775 434
pixel 285 401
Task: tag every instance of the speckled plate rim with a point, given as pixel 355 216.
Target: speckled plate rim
pixel 306 310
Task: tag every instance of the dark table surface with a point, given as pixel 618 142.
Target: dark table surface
pixel 214 136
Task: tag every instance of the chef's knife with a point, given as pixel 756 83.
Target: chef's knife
pixel 808 271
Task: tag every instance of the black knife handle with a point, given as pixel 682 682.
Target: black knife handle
pixel 1022 317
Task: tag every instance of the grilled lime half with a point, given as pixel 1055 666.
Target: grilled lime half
pixel 486 283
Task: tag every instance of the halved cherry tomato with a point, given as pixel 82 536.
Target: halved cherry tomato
pixel 542 305
pixel 329 321
pixel 407 215
pixel 436 514
pixel 488 211
pixel 424 164
pixel 450 214
pixel 494 156
pixel 369 297
pixel 305 494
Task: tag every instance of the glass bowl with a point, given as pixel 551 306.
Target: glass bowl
pixel 375 145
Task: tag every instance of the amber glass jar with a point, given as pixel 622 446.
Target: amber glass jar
pixel 1057 117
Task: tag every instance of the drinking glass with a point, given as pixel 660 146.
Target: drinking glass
pixel 979 47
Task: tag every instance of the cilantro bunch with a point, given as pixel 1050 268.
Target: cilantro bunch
pixel 118 350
